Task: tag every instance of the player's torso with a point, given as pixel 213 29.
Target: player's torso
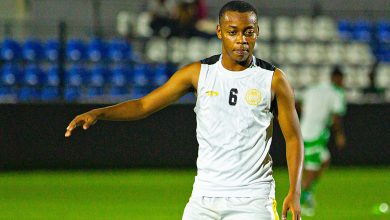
pixel 233 123
pixel 317 105
pixel 232 104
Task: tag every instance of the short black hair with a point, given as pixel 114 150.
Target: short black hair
pixel 239 6
pixel 337 72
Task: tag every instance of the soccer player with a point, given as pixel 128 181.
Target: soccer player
pixel 237 97
pixel 322 105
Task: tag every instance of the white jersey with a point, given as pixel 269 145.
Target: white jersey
pixel 319 103
pixel 234 130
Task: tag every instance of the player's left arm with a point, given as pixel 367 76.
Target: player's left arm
pixel 289 124
pixel 338 130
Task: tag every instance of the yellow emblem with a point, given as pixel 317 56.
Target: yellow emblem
pixel 212 93
pixel 253 97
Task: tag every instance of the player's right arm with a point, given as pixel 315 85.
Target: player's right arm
pixel 179 84
pixel 289 124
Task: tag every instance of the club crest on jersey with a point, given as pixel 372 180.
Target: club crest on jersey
pixel 253 97
pixel 212 93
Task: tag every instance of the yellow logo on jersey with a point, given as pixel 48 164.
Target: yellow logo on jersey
pixel 253 97
pixel 212 93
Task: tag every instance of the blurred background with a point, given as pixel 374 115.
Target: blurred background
pixel 62 58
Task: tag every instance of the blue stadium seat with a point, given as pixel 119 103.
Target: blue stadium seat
pixel 97 76
pixel 118 76
pixel 362 31
pixel 386 48
pixel 9 80
pixel 97 50
pixel 10 50
pixel 345 29
pixel 32 76
pixel 6 91
pixel 383 31
pixel 29 94
pixel 171 69
pixel 32 50
pixel 119 50
pixel 382 52
pixel 159 75
pixel 52 48
pixel 93 91
pixel 118 90
pixel 50 93
pixel 76 76
pixel 72 93
pixel 10 75
pixel 138 92
pixel 75 50
pixel 140 76
pixel 52 76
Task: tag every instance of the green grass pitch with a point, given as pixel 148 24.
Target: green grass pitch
pixel 343 193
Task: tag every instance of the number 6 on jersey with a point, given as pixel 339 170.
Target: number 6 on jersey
pixel 233 96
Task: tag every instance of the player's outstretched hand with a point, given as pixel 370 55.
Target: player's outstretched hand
pixel 292 203
pixel 86 120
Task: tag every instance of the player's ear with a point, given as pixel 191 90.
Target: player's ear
pixel 219 31
pixel 257 31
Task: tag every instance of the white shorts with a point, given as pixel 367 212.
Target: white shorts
pixel 230 208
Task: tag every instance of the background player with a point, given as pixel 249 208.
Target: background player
pixel 323 105
pixel 234 124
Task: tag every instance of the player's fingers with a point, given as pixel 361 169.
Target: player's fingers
pixel 68 133
pixel 69 129
pixel 73 124
pixel 88 122
pixel 86 125
pixel 298 216
pixel 284 211
pixel 293 213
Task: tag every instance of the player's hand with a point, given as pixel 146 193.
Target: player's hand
pixel 340 141
pixel 86 120
pixel 291 203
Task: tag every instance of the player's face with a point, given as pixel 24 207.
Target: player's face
pixel 238 32
pixel 338 81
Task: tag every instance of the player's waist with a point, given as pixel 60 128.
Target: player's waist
pixel 260 189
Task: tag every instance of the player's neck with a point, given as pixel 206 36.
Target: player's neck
pixel 233 65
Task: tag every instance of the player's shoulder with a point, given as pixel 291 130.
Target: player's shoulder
pixel 194 66
pixel 211 60
pixel 264 64
pixel 190 73
pixel 280 84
